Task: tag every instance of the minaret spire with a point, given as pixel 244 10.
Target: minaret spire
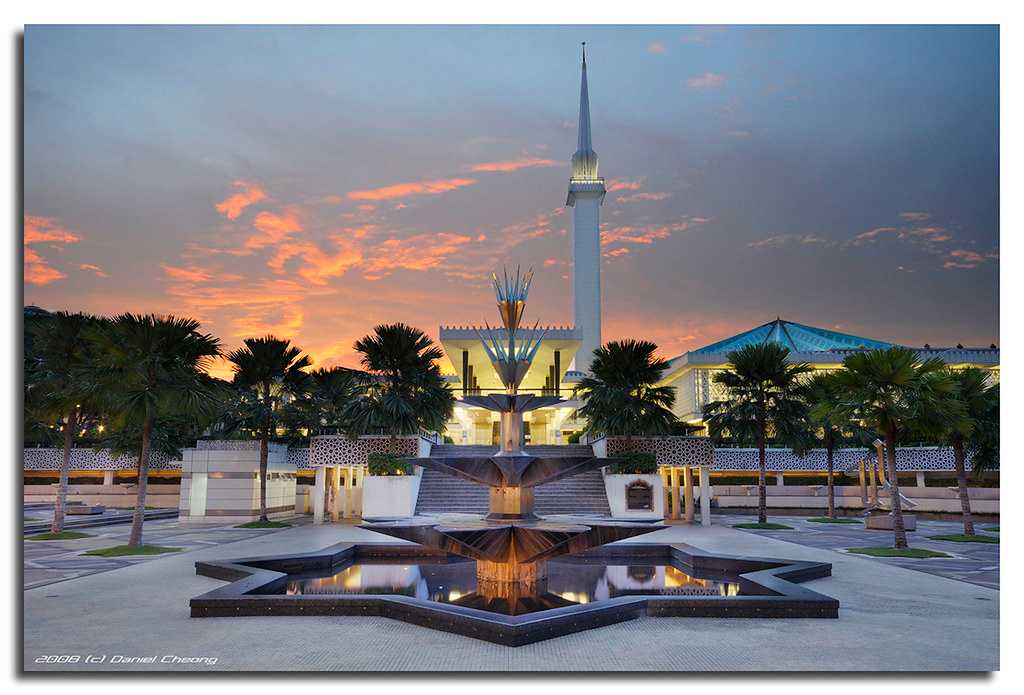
pixel 584 161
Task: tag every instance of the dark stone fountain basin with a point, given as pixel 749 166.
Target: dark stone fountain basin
pixel 753 588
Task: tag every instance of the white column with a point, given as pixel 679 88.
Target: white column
pixel 920 479
pixel 779 480
pixel 335 493
pixel 673 478
pixel 586 273
pixel 688 494
pixel 108 477
pixel 319 490
pixel 705 496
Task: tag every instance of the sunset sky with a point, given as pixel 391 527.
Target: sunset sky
pixel 313 182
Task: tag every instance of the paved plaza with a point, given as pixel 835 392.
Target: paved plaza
pixel 49 562
pixel 977 563
pixel 892 618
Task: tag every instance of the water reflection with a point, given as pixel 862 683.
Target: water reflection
pixel 568 582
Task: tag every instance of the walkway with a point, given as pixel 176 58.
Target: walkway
pixel 977 563
pixel 891 619
pixel 48 562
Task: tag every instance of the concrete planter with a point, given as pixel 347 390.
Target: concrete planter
pixel 391 496
pixel 618 487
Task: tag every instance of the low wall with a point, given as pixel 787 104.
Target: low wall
pixel 115 496
pixel 928 499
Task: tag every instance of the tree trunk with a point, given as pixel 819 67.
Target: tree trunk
pixel 831 486
pixel 65 470
pixel 263 478
pixel 762 489
pixel 135 538
pixel 899 531
pixel 961 481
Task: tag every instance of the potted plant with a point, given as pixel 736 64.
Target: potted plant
pixel 391 487
pixel 634 488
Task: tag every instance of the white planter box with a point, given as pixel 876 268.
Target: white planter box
pixel 390 496
pixel 616 487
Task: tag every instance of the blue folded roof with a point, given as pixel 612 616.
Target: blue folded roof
pixel 795 336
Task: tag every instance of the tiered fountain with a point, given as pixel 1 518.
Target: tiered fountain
pixel 511 543
pixel 513 602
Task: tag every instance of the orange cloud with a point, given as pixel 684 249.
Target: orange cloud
pixel 657 47
pixel 419 252
pixel 621 185
pixel 38 271
pixel 93 268
pixel 514 164
pixel 640 235
pixel 193 274
pixel 400 190
pixel 38 230
pixel 915 216
pixel 317 266
pixel 966 259
pixel 233 206
pixel 274 228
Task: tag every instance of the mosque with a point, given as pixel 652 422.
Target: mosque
pixel 564 351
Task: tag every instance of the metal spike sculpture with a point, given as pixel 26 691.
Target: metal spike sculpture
pixel 511 543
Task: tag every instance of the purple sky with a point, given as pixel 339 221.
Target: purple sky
pixel 313 182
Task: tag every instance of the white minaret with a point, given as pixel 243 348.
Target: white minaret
pixel 586 194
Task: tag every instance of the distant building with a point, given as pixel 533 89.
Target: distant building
pixel 692 372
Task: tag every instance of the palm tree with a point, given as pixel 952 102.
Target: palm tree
pixel 620 393
pixel 322 409
pixel 762 401
pixel 890 392
pixel 147 365
pixel 402 390
pixel 972 429
pixel 823 395
pixel 265 371
pixel 57 370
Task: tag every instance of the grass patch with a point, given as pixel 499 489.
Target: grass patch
pixel 62 536
pixel 122 550
pixel 264 524
pixel 961 538
pixel 897 552
pixel 765 527
pixel 994 529
pixel 839 520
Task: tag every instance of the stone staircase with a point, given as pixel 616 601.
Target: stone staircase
pixel 578 494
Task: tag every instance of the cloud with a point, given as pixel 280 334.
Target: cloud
pixel 621 251
pixel 915 216
pixel 419 252
pixel 514 164
pixel 613 185
pixel 273 228
pixel 635 197
pixel 248 194
pixel 192 274
pixel 965 259
pixel 44 230
pixel 657 48
pixel 94 269
pixel 38 271
pixel 317 266
pixel 926 234
pixel 400 190
pixel 780 239
pixel 638 235
pixel 709 80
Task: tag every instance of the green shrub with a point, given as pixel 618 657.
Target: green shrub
pixel 635 463
pixel 448 440
pixel 574 438
pixel 387 464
